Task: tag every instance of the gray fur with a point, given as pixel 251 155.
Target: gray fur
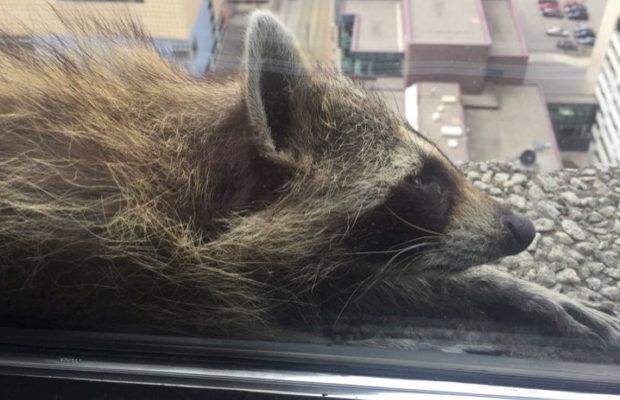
pixel 134 194
pixel 270 49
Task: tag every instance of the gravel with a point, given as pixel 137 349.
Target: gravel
pixel 573 230
pixel 576 214
pixel 545 225
pixel 611 292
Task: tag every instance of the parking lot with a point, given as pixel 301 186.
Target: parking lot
pixel 534 25
pixel 559 73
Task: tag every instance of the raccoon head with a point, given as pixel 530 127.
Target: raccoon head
pixel 393 196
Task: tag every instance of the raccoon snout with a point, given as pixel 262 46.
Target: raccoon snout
pixel 520 233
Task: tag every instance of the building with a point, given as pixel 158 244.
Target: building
pixel 468 42
pixel 501 123
pixel 436 110
pixel 508 54
pixel 506 122
pixel 447 42
pixel 460 80
pixel 371 37
pixel 605 72
pixel 312 23
pixel 572 118
pixel 184 31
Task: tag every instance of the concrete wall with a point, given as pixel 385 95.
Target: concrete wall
pixel 461 63
pixel 508 70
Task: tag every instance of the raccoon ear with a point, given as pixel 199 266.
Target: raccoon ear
pixel 275 70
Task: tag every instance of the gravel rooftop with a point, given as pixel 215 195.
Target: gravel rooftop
pixel 577 217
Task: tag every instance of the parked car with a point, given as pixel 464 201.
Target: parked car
pixel 574 8
pixel 566 45
pixel 583 33
pixel 548 5
pixel 581 15
pixel 586 41
pixel 558 31
pixel 552 13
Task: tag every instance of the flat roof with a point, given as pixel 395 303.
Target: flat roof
pixel 521 122
pixel 312 23
pixel 391 89
pixel 378 25
pixel 436 111
pixel 163 19
pixel 506 35
pixel 449 22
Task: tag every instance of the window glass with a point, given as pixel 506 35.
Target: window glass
pixel 391 173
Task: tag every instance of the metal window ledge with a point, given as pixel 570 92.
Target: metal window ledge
pixel 281 370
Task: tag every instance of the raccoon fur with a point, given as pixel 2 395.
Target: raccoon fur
pixel 133 194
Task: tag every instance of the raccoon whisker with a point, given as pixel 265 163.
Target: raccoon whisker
pixel 404 221
pixel 376 277
pixel 409 248
pixel 399 251
pixel 425 253
pixel 352 296
pixel 412 259
pixel 431 238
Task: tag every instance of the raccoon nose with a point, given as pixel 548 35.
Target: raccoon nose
pixel 521 231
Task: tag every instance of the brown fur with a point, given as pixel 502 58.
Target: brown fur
pixel 134 193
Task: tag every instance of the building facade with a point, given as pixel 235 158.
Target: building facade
pixel 183 31
pixel 371 37
pixel 469 42
pixel 606 130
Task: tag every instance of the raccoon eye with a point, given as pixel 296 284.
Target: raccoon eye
pixel 417 181
pixel 426 184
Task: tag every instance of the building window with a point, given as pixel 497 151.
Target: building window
pixel 181 54
pixel 494 73
pixel 572 124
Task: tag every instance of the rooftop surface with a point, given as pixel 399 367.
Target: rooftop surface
pixel 436 111
pixel 163 19
pixel 520 123
pixel 449 22
pixel 506 35
pixel 312 23
pixel 378 25
pixel 391 89
pixel 498 124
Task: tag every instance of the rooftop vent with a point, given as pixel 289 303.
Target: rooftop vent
pixel 451 130
pixel 448 99
pixel 528 157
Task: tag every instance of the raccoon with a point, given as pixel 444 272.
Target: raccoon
pixel 136 196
